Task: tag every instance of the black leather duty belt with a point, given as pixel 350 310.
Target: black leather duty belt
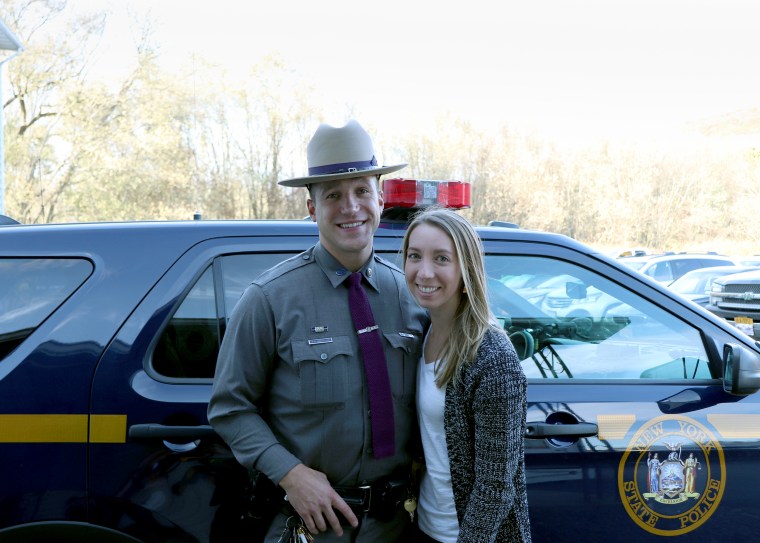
pixel 381 499
pixel 359 498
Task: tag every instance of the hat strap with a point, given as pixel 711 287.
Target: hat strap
pixel 345 167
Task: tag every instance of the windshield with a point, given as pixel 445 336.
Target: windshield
pixel 693 283
pixel 574 323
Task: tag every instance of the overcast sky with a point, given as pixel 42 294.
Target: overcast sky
pixel 584 68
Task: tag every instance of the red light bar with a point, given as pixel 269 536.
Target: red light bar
pixel 420 193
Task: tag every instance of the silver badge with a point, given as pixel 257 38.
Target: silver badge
pixel 320 341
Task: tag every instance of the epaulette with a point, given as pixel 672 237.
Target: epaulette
pixel 286 266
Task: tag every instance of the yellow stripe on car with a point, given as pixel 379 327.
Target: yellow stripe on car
pixel 736 426
pixel 614 426
pixel 62 428
pixel 108 428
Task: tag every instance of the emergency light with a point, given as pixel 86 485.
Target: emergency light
pixel 419 193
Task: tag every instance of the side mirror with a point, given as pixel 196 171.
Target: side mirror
pixel 576 291
pixel 741 370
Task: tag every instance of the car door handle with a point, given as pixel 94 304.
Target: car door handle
pixel 176 433
pixel 542 430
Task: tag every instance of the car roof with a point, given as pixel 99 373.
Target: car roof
pixel 678 256
pixel 72 235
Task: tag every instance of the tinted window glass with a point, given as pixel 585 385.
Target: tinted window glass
pixel 587 327
pixel 31 289
pixel 706 263
pixel 238 271
pixel 564 320
pixel 189 344
pixel 681 267
pixel 662 271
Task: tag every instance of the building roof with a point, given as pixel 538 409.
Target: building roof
pixel 9 43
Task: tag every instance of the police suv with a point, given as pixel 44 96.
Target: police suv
pixel 643 417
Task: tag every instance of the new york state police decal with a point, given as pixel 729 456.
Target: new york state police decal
pixel 672 475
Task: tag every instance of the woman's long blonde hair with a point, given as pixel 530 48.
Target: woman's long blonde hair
pixel 473 317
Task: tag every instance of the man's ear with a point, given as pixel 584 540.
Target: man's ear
pixel 311 207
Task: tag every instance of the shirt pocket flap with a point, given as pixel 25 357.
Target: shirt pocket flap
pixel 409 342
pixel 321 349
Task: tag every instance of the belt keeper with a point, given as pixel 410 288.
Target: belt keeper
pixel 368 490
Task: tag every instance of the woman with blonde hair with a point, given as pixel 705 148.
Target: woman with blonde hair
pixel 471 392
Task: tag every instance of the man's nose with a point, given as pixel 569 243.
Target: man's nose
pixel 350 203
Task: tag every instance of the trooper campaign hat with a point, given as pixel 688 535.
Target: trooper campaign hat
pixel 340 153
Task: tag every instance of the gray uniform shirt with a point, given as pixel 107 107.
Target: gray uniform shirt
pixel 290 384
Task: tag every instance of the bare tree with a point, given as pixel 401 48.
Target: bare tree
pixel 162 145
pixel 52 63
pixel 275 109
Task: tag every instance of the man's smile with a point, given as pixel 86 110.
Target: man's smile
pixel 351 224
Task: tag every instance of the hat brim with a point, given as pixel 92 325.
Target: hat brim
pixel 310 180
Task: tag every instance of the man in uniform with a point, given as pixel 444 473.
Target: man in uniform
pixel 291 394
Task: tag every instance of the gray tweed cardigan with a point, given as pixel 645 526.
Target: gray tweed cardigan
pixel 484 416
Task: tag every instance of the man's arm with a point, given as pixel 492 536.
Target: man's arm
pixel 245 361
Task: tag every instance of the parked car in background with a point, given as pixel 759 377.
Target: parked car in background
pixel 535 289
pixel 736 298
pixel 695 285
pixel 667 267
pixel 584 305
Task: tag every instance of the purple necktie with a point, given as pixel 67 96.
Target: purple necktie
pixel 378 384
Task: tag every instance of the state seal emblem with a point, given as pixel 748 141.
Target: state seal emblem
pixel 672 475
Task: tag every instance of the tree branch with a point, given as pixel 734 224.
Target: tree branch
pixel 25 127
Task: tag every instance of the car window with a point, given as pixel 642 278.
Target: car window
pixel 661 271
pixel 189 344
pixel 681 266
pixel 693 283
pixel 717 262
pixel 591 328
pixel 571 323
pixel 238 271
pixel 31 289
pixel 524 280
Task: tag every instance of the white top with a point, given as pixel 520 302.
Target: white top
pixel 437 515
